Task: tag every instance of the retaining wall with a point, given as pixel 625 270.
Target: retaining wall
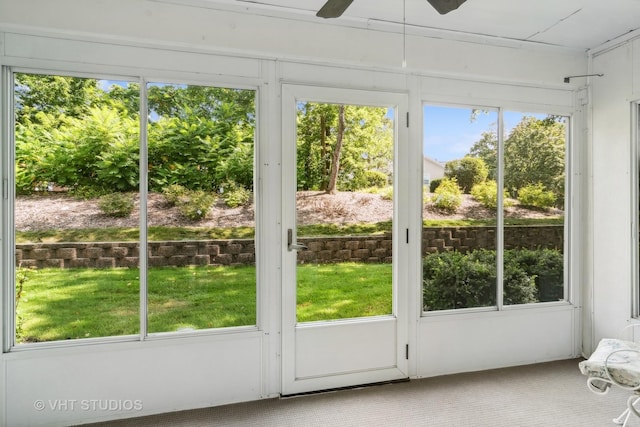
pixel 242 251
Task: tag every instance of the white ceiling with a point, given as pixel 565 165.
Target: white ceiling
pixel 574 24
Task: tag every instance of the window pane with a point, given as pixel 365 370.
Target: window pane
pixel 344 211
pixel 459 208
pixel 76 208
pixel 534 179
pixel 201 224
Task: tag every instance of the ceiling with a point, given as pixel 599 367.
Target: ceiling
pixel 574 24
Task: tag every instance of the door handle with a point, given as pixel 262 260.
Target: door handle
pixel 291 245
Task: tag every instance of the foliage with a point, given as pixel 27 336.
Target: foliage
pixel 98 151
pixel 174 194
pixel 536 196
pixel 435 183
pixel 75 133
pixel 448 196
pixel 387 193
pixel 22 277
pixel 534 152
pixel 56 96
pixel 197 205
pixel 456 280
pixel 376 179
pixel 84 192
pixel 234 195
pixel 33 156
pixel 367 146
pixel 486 148
pixel 193 204
pixel 119 205
pixel 487 194
pixel 453 280
pixel 467 171
pixel 547 267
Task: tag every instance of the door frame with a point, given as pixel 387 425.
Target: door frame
pixel 395 326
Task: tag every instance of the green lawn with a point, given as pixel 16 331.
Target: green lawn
pixel 197 233
pixel 87 303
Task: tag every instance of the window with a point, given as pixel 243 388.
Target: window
pixel 201 165
pixel 344 210
pixel 493 212
pixel 79 206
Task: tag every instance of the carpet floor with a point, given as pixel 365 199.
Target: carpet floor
pixel 545 395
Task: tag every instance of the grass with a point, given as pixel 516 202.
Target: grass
pixel 87 303
pixel 341 291
pixel 196 233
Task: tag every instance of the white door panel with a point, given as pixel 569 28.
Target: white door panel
pixel 342 349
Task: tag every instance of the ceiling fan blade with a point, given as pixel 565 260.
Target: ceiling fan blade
pixel 334 8
pixel 445 6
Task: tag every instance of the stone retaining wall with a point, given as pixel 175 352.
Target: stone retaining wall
pixel 242 251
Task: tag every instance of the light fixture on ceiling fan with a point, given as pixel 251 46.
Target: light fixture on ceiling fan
pixel 335 8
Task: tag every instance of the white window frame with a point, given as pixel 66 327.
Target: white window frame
pixel 567 265
pixel 7 218
pixel 635 209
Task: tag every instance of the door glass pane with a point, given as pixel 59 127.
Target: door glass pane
pixel 534 178
pixel 344 211
pixel 459 208
pixel 76 208
pixel 201 225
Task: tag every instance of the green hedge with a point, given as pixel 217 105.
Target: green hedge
pixel 454 279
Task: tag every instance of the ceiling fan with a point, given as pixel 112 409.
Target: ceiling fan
pixel 335 8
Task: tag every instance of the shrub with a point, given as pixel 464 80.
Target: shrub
pixel 487 194
pixel 457 280
pixel 447 196
pixel 196 205
pixel 84 192
pixel 468 172
pixel 435 183
pixel 117 205
pixel 546 266
pixel 387 193
pixel 235 196
pixel 32 151
pixel 174 194
pixel 376 178
pixel 536 196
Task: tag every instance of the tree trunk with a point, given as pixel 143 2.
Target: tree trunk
pixel 323 150
pixel 335 163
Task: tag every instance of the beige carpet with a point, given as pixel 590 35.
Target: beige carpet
pixel 548 394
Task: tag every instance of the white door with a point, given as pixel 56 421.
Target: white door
pixel 344 310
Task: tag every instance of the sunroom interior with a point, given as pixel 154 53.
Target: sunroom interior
pixel 572 68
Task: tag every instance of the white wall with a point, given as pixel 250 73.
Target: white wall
pixel 612 204
pixel 164 41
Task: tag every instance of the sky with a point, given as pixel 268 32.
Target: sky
pixel 449 132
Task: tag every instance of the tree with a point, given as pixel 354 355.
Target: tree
pixel 57 95
pixel 337 149
pixel 486 148
pixel 78 133
pixel 352 154
pixel 467 171
pixel 534 153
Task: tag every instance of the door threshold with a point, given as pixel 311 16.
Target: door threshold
pixel 351 387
